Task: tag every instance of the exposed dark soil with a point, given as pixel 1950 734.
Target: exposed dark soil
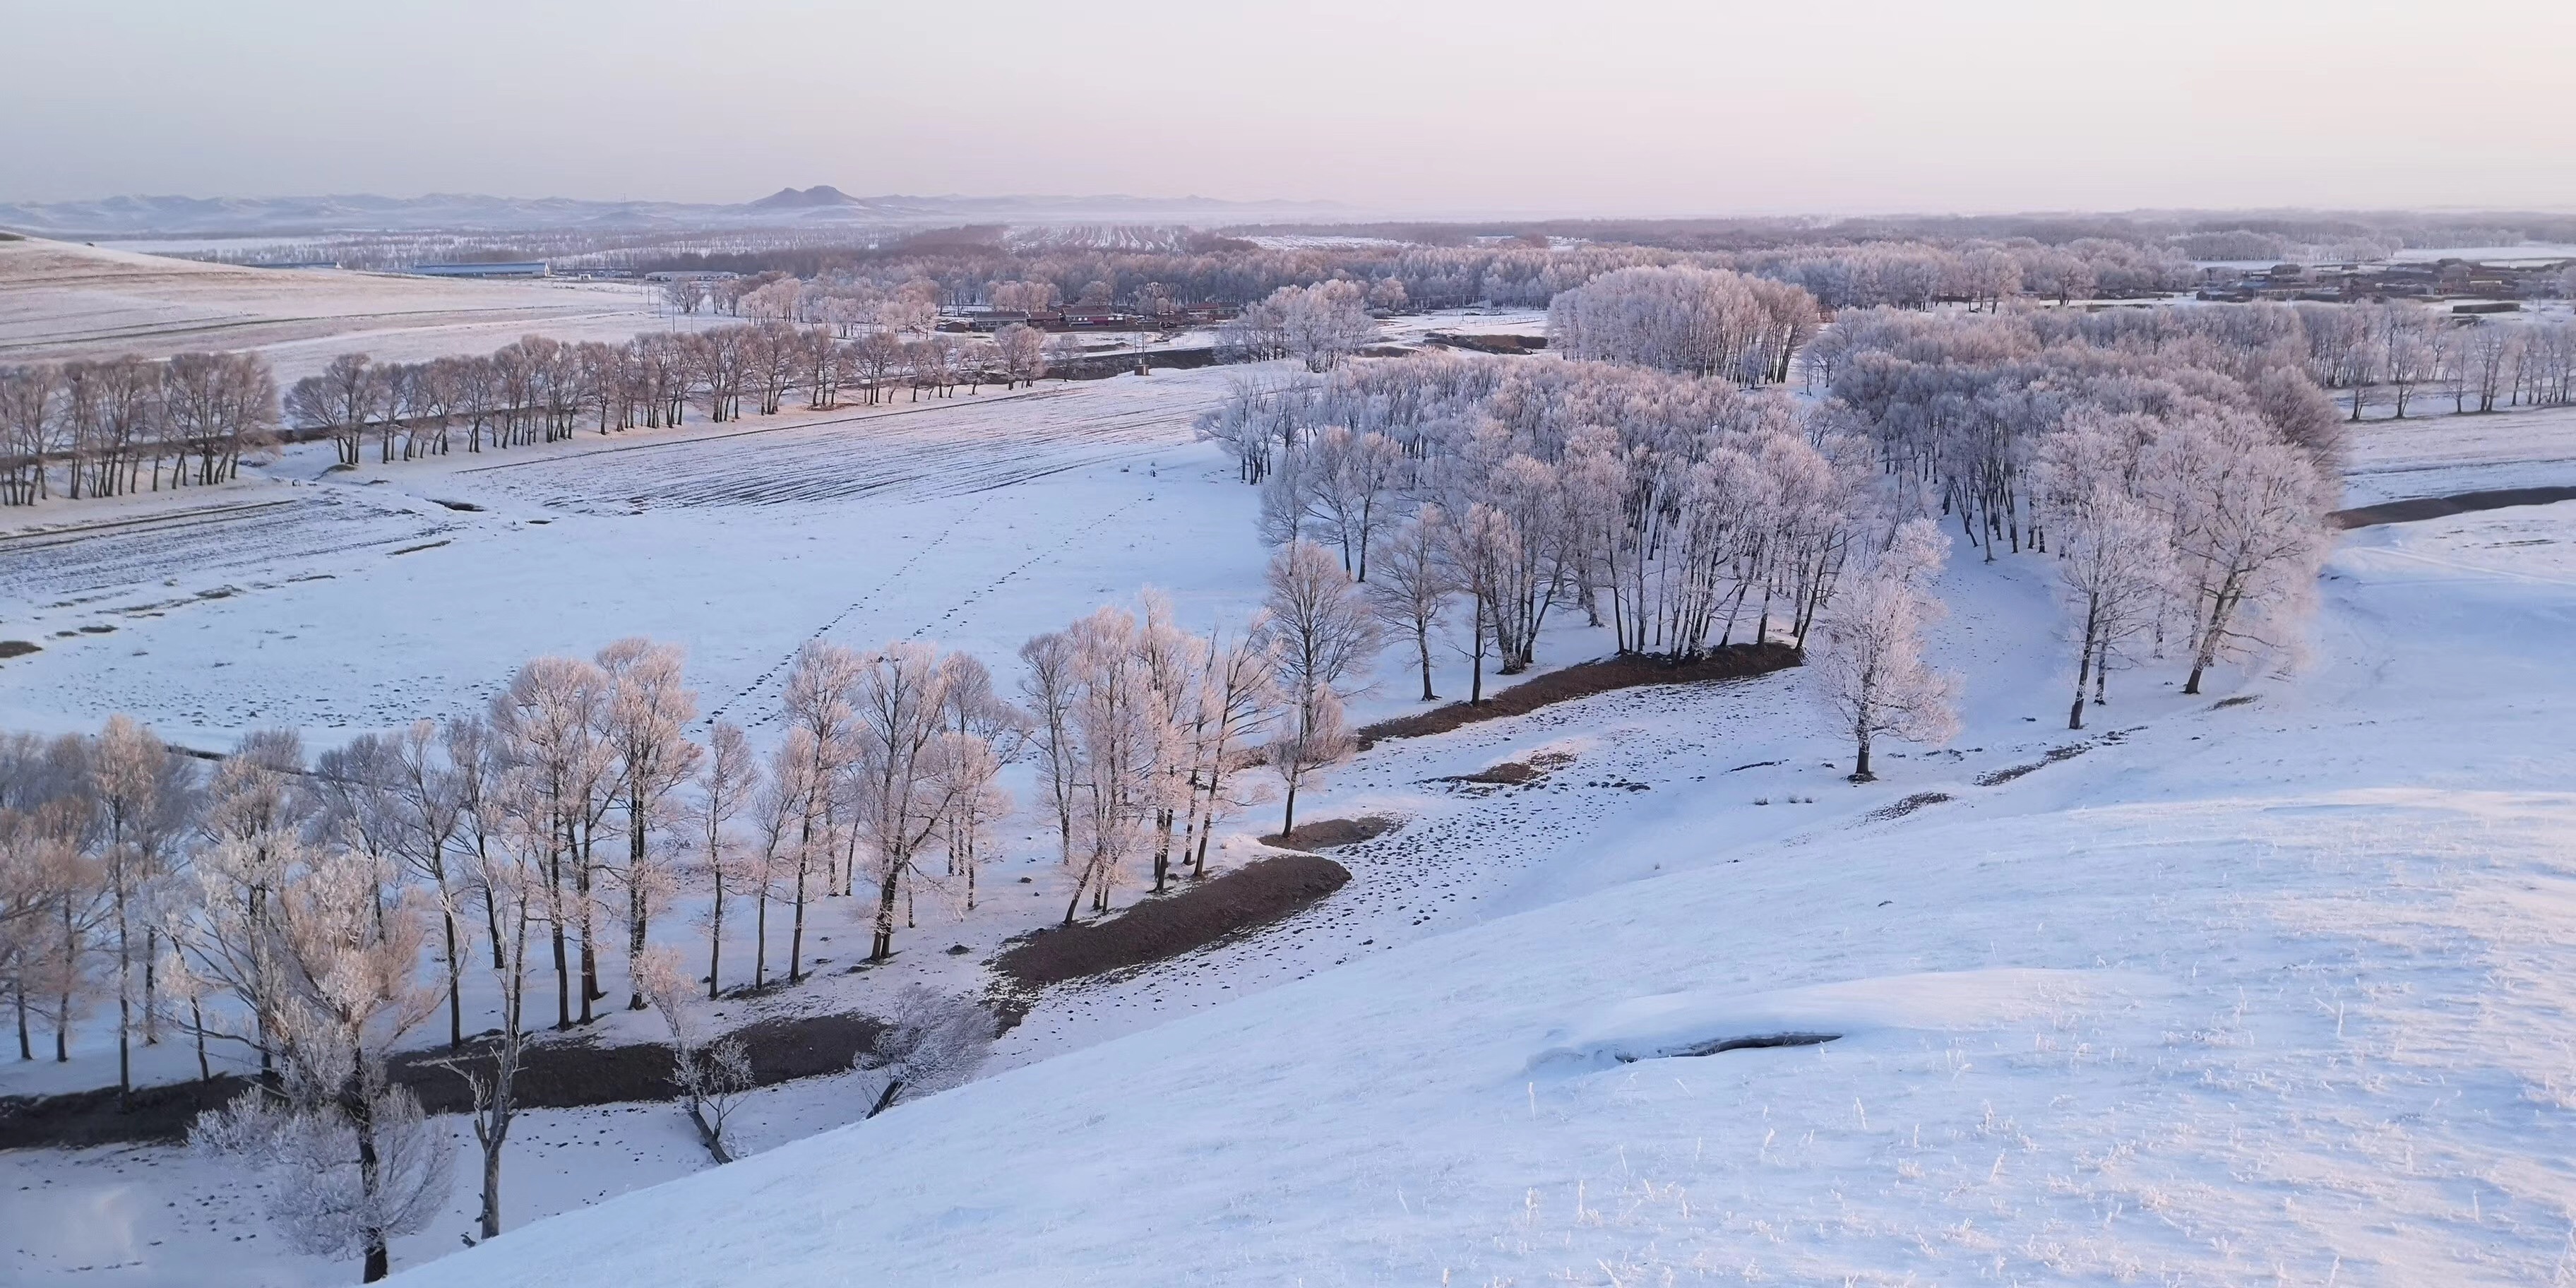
pixel 1516 773
pixel 552 1075
pixel 18 648
pixel 1998 777
pixel 2435 507
pixel 1584 679
pixel 1100 366
pixel 1324 834
pixel 1907 806
pixel 1761 1042
pixel 1201 914
pixel 1503 344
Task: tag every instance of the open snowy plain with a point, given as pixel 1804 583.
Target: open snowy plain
pixel 2268 985
pixel 60 301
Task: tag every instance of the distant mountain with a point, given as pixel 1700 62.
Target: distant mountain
pixel 821 194
pixel 143 216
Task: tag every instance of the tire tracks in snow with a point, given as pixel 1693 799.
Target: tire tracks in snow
pixel 1066 542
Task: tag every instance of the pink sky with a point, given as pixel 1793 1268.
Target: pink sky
pixel 1498 106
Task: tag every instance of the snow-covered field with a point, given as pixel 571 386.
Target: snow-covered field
pixel 341 601
pixel 61 301
pixel 2438 454
pixel 2267 985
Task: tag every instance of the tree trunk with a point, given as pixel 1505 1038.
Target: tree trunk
pixel 636 912
pixel 707 1136
pixel 1860 766
pixel 491 1214
pixel 2084 660
pixel 715 939
pixel 881 946
pixel 455 993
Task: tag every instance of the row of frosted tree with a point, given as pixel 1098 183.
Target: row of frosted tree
pixel 2400 356
pixel 539 390
pixel 102 429
pixel 1515 272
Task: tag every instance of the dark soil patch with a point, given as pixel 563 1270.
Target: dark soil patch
pixel 1326 833
pixel 1999 777
pixel 2239 700
pixel 1510 773
pixel 1907 806
pixel 552 1075
pixel 1201 914
pixel 1758 1042
pixel 1503 344
pixel 2436 507
pixel 1582 680
pixel 18 648
pixel 467 506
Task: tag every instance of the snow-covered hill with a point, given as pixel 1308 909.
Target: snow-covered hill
pixel 2270 989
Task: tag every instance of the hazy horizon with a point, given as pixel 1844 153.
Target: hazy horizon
pixel 1510 108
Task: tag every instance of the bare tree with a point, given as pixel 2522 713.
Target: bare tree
pixel 1413 587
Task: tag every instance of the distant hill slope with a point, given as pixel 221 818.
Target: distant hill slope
pixel 142 216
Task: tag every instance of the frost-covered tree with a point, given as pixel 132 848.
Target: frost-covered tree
pixel 352 1163
pixel 139 794
pixel 1117 725
pixel 1237 699
pixel 728 777
pixel 1050 685
pixel 509 872
pixel 1318 624
pixel 1020 350
pixel 932 1041
pixel 1413 588
pixel 821 708
pixel 713 1073
pixel 2248 533
pixel 898 768
pixel 426 798
pixel 1872 673
pixel 545 732
pixel 2114 549
pixel 644 721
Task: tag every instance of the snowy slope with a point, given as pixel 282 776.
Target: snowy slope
pixel 2275 991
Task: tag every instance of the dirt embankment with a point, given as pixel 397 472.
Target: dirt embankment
pixel 2437 507
pixel 552 1075
pixel 1734 662
pixel 1326 833
pixel 1201 914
